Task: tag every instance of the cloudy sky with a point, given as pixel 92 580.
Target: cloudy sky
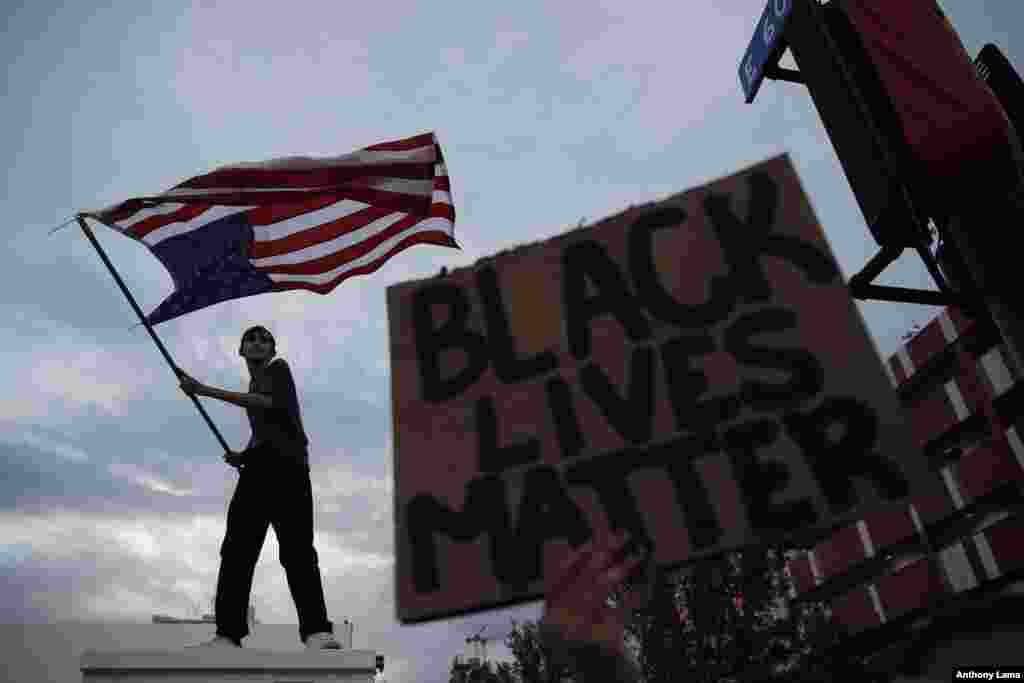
pixel 112 490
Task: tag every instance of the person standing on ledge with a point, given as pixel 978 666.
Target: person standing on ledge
pixel 273 489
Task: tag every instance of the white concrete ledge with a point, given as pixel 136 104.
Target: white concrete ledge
pixel 239 665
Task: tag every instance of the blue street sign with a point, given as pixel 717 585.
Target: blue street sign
pixel 763 46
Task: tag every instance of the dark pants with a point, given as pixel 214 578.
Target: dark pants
pixel 278 495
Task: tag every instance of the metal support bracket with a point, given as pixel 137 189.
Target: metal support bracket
pixel 861 287
pixel 778 73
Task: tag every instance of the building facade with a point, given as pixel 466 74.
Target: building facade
pixel 889 578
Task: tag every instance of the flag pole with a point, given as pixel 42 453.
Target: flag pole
pixel 156 339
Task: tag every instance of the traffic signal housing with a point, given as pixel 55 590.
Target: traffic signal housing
pixel 919 134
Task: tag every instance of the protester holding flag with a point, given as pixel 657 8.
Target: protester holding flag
pixel 274 489
pixel 272 226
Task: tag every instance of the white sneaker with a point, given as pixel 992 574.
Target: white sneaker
pixel 322 641
pixel 217 641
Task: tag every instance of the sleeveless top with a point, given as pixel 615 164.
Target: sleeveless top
pixel 277 432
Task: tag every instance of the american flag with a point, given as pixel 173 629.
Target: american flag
pixel 292 223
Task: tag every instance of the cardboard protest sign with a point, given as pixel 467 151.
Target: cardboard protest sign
pixel 692 371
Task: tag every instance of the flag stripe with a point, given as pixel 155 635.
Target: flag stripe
pixel 317 240
pixel 363 157
pixel 324 283
pixel 112 215
pixel 332 212
pixel 424 153
pixel 413 187
pixel 158 219
pixel 405 144
pixel 274 213
pixel 400 185
pixel 446 211
pixel 214 213
pixel 323 258
pixel 392 200
pixel 313 177
pixel 397 201
pixel 159 210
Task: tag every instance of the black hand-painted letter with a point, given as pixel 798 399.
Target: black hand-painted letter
pixel 485 512
pixel 837 462
pixel 545 512
pixel 490 456
pixel 508 366
pixel 587 260
pixel 760 479
pixel 745 243
pixel 563 413
pixel 806 374
pixel 649 289
pixel 686 385
pixel 453 334
pixel 631 416
pixel 608 476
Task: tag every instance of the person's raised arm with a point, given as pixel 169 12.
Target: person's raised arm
pixel 578 623
pixel 244 400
